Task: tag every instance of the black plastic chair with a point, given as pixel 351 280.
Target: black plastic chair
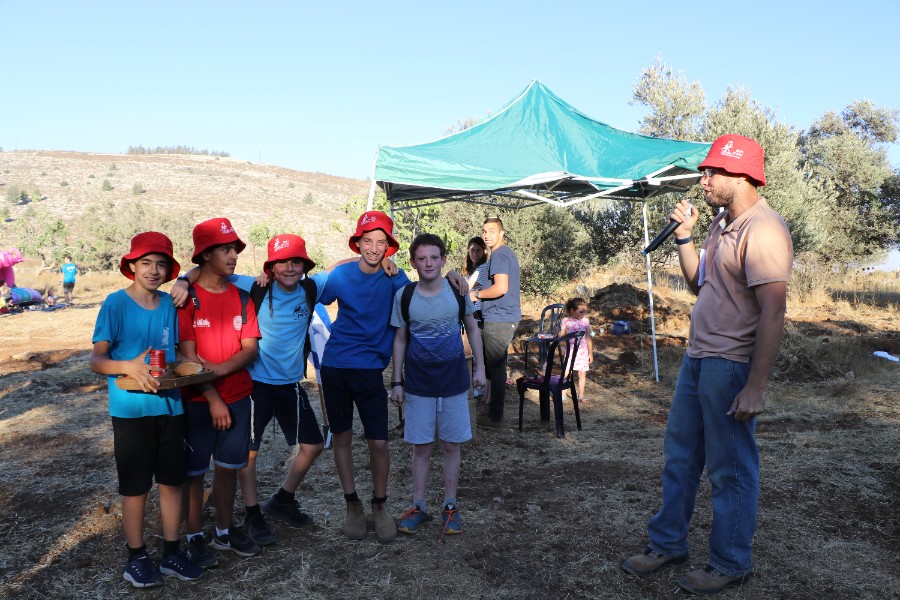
pixel 548 328
pixel 558 376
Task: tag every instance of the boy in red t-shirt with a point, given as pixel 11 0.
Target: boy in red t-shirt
pixel 213 332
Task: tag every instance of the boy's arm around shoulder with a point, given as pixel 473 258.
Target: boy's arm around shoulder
pixel 479 379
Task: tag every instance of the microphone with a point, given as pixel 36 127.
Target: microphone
pixel 663 235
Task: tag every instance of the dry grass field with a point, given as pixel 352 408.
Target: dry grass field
pixel 545 518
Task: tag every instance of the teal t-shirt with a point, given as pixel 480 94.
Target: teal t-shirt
pixel 130 329
pixel 283 330
pixel 69 270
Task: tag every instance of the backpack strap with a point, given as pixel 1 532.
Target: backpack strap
pixel 258 294
pixel 405 299
pixel 245 297
pixel 309 286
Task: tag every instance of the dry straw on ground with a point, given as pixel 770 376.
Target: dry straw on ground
pixel 544 517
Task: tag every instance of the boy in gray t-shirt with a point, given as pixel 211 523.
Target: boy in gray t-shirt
pixel 436 389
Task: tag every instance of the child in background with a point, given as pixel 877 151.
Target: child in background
pixel 49 298
pixel 148 426
pixel 576 320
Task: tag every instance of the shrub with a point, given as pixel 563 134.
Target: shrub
pixel 308 198
pixel 91 176
pixel 291 185
pixel 63 183
pixel 107 186
pixel 137 189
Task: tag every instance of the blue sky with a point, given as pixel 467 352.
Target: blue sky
pixel 318 86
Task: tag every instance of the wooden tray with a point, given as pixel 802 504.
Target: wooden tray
pixel 168 381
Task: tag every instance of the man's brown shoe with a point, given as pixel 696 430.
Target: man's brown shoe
pixel 486 421
pixel 385 526
pixel 355 523
pixel 708 580
pixel 650 562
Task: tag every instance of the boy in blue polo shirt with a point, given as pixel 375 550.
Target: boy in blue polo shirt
pixel 148 426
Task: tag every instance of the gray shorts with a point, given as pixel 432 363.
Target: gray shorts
pixel 449 414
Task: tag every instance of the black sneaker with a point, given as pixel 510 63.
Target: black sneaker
pixel 199 553
pixel 142 573
pixel 181 566
pixel 236 541
pixel 259 531
pixel 289 512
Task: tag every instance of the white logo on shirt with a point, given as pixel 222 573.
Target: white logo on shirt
pixel 201 323
pixel 727 150
pixel 237 322
pixel 165 337
pixel 279 245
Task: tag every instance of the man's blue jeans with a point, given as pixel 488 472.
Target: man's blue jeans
pixel 699 433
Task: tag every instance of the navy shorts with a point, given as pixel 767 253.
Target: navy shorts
pixel 363 387
pixel 148 447
pixel 227 448
pixel 68 286
pixel 289 404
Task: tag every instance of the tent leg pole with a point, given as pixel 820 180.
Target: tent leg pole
pixel 372 183
pixel 650 294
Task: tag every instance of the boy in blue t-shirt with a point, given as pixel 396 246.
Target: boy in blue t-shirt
pixel 436 388
pixel 69 270
pixel 148 426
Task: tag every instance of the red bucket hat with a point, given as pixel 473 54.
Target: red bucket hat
pixel 737 155
pixel 371 220
pixel 214 232
pixel 150 242
pixel 286 246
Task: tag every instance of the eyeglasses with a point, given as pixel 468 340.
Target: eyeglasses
pixel 708 172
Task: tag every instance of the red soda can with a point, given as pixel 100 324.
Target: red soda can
pixel 158 360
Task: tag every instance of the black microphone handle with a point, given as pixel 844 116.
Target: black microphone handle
pixel 663 236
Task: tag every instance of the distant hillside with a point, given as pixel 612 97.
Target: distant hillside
pixel 246 193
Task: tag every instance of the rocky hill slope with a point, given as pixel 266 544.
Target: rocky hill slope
pixel 72 184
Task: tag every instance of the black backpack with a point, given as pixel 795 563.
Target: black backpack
pixel 406 298
pixel 258 294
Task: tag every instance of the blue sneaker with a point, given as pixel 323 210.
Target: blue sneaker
pixel 181 566
pixel 141 572
pixel 411 520
pixel 451 521
pixel 199 553
pixel 236 541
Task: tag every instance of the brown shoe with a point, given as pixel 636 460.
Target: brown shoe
pixel 650 562
pixel 385 526
pixel 489 423
pixel 355 523
pixel 708 580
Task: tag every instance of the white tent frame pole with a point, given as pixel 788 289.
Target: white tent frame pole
pixel 372 183
pixel 650 293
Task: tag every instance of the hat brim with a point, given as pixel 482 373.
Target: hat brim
pixel 174 266
pixel 308 264
pixel 238 246
pixel 393 245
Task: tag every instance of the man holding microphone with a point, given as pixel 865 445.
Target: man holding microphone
pixel 740 277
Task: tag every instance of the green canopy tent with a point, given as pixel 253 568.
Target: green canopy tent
pixel 538 149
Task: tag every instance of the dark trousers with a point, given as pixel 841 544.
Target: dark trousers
pixel 496 338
